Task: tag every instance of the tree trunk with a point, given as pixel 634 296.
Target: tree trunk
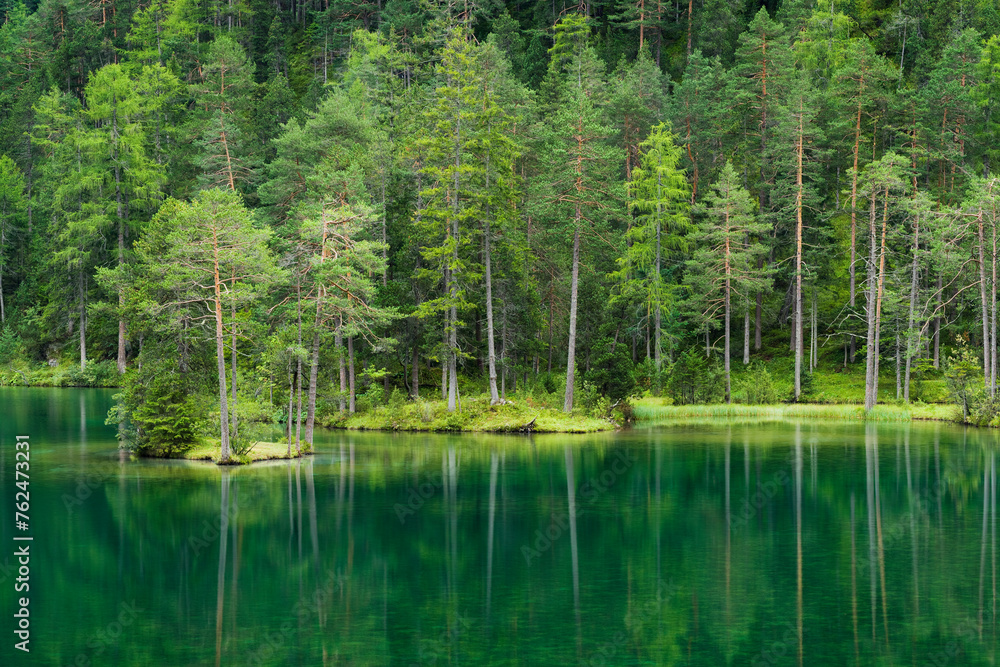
pixel 746 334
pixel 873 348
pixel 899 381
pixel 314 361
pixel 574 285
pixel 3 244
pixel 415 371
pixel 814 344
pixel 871 366
pixel 83 321
pixel 757 314
pixel 797 325
pixel 937 326
pixel 291 404
pixel 339 342
pixel 350 373
pixel 993 321
pixel 726 352
pixel 987 365
pixel 912 344
pixel 232 363
pixel 658 301
pixel 298 369
pixel 220 357
pixel 121 238
pixel 313 378
pixel 444 363
pixel 491 348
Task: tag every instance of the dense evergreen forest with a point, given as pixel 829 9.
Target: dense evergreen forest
pixel 328 205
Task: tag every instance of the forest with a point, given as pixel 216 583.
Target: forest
pixel 250 210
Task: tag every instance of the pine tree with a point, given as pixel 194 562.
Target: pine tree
pixel 658 195
pixel 118 111
pixel 226 152
pixel 881 182
pixel 12 206
pixel 208 254
pixel 449 209
pixel 724 264
pixel 578 183
pixel 860 91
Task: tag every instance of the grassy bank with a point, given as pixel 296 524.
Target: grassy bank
pixel 210 450
pixel 20 373
pixel 654 410
pixel 476 414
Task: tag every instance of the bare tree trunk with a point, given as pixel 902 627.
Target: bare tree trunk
pixel 993 321
pixel 899 360
pixel 339 342
pixel 350 374
pixel 298 369
pixel 415 371
pixel 491 348
pixel 574 286
pixel 83 321
pixel 291 404
pixel 987 364
pixel 912 344
pixel 726 353
pixel 314 361
pixel 453 359
pixel 746 334
pixel 871 365
pixel 313 378
pixel 658 324
pixel 814 344
pixel 874 361
pixel 221 358
pixel 3 244
pixel 937 326
pixel 797 325
pixel 757 314
pixel 121 237
pixel 232 351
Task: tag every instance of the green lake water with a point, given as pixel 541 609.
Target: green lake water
pixel 712 543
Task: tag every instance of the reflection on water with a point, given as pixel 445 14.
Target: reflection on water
pixel 710 544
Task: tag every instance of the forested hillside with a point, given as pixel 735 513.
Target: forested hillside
pixel 317 205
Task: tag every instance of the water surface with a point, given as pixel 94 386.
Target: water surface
pixel 814 543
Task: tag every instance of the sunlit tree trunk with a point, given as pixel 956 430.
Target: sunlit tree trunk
pixel 574 286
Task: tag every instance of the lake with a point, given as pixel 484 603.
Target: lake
pixel 711 543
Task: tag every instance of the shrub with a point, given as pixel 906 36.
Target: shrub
pixel 758 386
pixel 244 440
pixel 694 379
pixel 611 370
pixel 963 373
pixel 10 345
pixel 155 412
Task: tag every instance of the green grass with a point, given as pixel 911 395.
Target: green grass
pixel 476 414
pixel 209 450
pixel 19 373
pixel 653 410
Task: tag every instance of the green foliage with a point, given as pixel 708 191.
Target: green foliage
pixel 156 413
pixel 10 344
pixel 244 440
pixel 963 373
pixel 694 379
pixel 757 385
pixel 611 370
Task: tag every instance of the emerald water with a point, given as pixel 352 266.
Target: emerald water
pixel 813 543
